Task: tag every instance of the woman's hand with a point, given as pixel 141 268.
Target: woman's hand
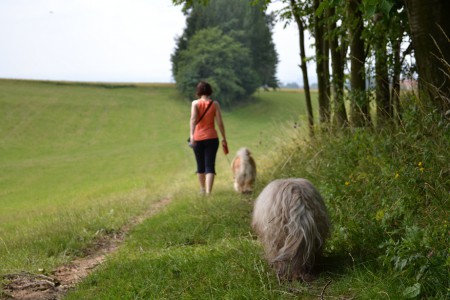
pixel 225 146
pixel 192 141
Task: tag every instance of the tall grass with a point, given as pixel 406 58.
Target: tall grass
pixel 388 194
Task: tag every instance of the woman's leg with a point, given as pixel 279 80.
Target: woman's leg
pixel 199 151
pixel 210 163
pixel 209 182
pixel 202 180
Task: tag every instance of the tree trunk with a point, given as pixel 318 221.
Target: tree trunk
pixel 337 67
pixel 304 68
pixel 360 103
pixel 327 76
pixel 324 104
pixel 429 22
pixel 384 107
pixel 395 93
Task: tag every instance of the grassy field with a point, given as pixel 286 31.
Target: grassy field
pixel 386 192
pixel 80 159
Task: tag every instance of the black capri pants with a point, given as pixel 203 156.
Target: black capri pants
pixel 205 154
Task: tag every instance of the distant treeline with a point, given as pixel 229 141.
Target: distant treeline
pixel 295 85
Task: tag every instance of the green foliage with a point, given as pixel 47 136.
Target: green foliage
pixel 384 6
pixel 187 4
pixel 388 196
pixel 218 59
pixel 244 24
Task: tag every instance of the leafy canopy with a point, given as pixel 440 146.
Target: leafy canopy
pixel 247 31
pixel 219 59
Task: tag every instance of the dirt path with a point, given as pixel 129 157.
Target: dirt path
pixel 28 286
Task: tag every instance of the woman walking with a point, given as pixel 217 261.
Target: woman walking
pixel 203 135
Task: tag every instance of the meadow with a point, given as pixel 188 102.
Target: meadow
pixel 80 160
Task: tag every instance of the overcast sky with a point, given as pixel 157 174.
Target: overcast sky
pixel 106 40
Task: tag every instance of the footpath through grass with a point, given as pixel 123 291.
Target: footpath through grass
pixel 198 248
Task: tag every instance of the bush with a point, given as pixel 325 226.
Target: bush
pixel 388 195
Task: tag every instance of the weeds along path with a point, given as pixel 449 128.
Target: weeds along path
pixel 29 286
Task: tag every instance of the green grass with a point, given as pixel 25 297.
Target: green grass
pixel 69 140
pixel 198 248
pixel 76 160
pixel 386 191
pixel 389 239
pixel 81 159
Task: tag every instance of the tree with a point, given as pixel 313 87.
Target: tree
pixel 396 37
pixel 338 50
pixel 216 57
pixel 382 95
pixel 321 63
pixel 397 30
pixel 360 103
pixel 430 30
pixel 384 33
pixel 247 25
pixel 295 12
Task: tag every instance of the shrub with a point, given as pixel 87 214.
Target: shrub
pixel 388 195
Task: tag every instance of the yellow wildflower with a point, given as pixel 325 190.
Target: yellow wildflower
pixel 420 164
pixel 397 175
pixel 347 183
pixel 380 215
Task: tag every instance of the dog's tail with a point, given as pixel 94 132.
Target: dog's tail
pixel 244 154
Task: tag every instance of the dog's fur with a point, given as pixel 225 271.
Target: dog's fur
pixel 292 223
pixel 244 171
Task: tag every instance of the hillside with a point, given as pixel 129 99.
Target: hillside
pixel 78 159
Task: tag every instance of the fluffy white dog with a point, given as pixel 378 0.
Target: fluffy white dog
pixel 292 223
pixel 244 171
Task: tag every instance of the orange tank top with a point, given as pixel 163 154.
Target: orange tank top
pixel 205 130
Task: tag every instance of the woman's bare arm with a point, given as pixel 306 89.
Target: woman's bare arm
pixel 219 121
pixel 193 119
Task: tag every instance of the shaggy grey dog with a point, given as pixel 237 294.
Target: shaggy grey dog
pixel 292 223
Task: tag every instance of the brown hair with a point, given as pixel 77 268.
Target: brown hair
pixel 203 88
